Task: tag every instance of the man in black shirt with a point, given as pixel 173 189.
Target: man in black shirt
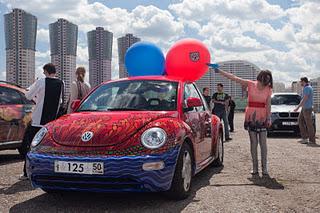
pixel 48 93
pixel 220 100
pixel 206 95
pixel 232 106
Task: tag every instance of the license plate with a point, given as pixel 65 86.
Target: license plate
pixel 290 123
pixel 74 167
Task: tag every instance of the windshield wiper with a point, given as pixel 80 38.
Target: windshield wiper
pixel 125 109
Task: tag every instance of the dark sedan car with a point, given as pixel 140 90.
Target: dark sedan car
pixel 283 118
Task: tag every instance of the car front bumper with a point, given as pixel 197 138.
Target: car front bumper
pixel 284 125
pixel 123 174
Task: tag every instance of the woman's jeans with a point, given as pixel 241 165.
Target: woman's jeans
pixel 261 138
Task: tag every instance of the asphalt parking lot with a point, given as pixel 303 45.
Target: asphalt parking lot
pixel 294 185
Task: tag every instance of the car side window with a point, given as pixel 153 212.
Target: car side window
pixel 25 100
pixel 191 92
pixel 9 96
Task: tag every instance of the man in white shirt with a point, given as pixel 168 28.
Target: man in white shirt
pixel 47 93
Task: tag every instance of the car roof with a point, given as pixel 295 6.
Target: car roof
pixel 12 86
pixel 159 78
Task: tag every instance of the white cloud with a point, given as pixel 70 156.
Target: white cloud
pixel 82 56
pixel 154 24
pixel 2 75
pixel 43 35
pixel 114 60
pixel 43 55
pixel 284 41
pixel 227 34
pixel 202 10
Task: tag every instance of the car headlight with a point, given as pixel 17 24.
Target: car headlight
pixel 153 138
pixel 39 136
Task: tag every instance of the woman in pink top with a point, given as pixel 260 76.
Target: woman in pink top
pixel 257 115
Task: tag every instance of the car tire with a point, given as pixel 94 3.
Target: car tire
pixel 220 146
pixel 181 182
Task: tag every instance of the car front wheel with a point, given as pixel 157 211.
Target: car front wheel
pixel 219 161
pixel 181 183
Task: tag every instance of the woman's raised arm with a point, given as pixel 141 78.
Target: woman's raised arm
pixel 232 77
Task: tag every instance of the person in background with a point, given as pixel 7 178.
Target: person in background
pixel 305 116
pixel 79 88
pixel 220 100
pixel 206 95
pixel 257 114
pixel 232 106
pixel 47 93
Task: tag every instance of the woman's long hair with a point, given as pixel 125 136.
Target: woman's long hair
pixel 80 73
pixel 265 77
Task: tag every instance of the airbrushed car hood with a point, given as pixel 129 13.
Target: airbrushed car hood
pixel 283 108
pixel 108 128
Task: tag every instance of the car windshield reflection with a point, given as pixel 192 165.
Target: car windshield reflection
pixel 135 95
pixel 285 100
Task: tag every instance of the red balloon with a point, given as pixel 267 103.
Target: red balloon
pixel 187 59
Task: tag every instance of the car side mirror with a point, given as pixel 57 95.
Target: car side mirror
pixel 75 105
pixel 194 102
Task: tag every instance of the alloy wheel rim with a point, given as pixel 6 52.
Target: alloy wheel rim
pixel 186 170
pixel 220 149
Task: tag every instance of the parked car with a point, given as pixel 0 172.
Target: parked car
pixel 142 134
pixel 15 116
pixel 283 118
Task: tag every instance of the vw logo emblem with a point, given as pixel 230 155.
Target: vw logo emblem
pixel 86 136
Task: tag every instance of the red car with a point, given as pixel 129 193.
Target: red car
pixel 15 116
pixel 135 134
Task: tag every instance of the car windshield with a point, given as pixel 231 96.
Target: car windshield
pixel 137 95
pixel 285 100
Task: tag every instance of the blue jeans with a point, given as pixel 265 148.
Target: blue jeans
pixel 223 116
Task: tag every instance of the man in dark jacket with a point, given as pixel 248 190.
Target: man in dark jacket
pixel 220 100
pixel 206 95
pixel 232 106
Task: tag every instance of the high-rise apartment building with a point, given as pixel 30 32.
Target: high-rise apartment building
pixel 63 47
pixel 296 87
pixel 123 44
pixel 20 37
pixel 315 83
pixel 242 69
pixel 279 87
pixel 100 55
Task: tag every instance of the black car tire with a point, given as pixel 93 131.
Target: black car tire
pixel 179 188
pixel 220 146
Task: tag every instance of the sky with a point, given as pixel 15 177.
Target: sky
pixel 280 35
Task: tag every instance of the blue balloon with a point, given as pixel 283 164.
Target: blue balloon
pixel 144 58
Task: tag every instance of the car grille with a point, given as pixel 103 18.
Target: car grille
pixel 284 114
pixel 294 114
pixel 287 114
pixel 86 182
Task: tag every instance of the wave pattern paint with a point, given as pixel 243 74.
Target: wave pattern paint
pixel 116 169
